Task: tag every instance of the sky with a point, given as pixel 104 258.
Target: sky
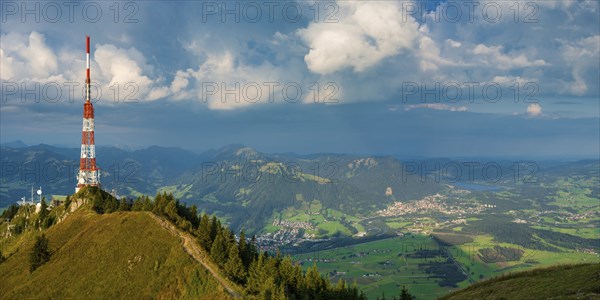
pixel 452 78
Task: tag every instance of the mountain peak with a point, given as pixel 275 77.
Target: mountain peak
pixel 231 147
pixel 246 151
pixel 237 152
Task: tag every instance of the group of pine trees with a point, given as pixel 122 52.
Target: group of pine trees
pixel 262 275
pixel 234 257
pixel 45 219
pixel 404 295
pixel 10 212
pixel 103 202
pixel 23 217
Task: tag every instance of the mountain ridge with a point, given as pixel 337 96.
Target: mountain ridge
pixel 223 180
pixel 138 257
pixel 540 283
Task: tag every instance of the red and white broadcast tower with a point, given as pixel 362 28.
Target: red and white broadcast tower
pixel 89 174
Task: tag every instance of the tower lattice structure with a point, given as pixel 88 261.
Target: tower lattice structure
pixel 89 174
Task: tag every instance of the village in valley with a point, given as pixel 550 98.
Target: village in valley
pixel 431 204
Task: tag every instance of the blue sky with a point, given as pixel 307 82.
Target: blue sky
pixel 484 78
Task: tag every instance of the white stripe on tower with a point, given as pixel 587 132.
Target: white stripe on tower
pixel 88 124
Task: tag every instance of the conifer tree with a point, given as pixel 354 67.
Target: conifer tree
pixel 170 210
pixel 218 251
pixel 147 204
pixel 110 205
pixel 268 289
pixel 40 253
pixel 290 276
pixel 193 216
pixel 272 266
pixel 256 274
pixel 68 201
pixel 43 215
pixel 229 237
pixel 280 293
pixel 203 232
pixel 405 295
pixel 252 248
pixel 123 205
pixel 313 280
pixel 243 249
pixel 300 282
pixel 214 228
pixel 234 266
pixel 341 285
pixel 158 204
pixel 137 205
pixel 43 209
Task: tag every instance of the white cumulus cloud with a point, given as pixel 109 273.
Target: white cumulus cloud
pixel 534 110
pixel 436 106
pixel 26 57
pixel 493 55
pixel 122 67
pixel 583 55
pixel 225 83
pixel 366 33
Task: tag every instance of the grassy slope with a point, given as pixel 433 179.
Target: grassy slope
pixel 580 281
pixel 119 255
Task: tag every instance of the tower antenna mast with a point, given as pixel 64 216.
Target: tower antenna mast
pixel 89 174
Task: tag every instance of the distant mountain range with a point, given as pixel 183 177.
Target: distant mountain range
pixel 54 168
pixel 239 183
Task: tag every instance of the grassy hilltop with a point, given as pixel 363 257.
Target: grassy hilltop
pixel 118 255
pixel 581 281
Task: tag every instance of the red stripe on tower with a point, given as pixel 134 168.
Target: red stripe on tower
pixel 87 68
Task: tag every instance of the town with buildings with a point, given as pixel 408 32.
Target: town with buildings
pixel 433 203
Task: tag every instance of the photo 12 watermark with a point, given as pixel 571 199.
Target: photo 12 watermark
pixel 269 92
pixel 268 11
pixel 471 171
pixel 59 172
pixel 69 11
pixel 68 91
pixel 270 172
pixel 490 12
pixel 454 92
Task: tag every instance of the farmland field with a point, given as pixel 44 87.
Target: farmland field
pixel 421 263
